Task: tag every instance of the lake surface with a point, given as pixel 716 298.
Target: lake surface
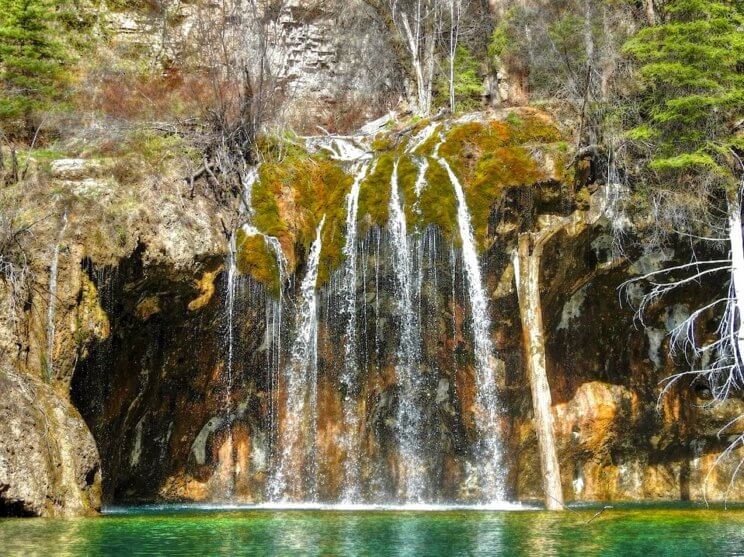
pixel 170 530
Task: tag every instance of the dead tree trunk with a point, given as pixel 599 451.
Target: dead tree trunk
pixel 527 262
pixel 528 259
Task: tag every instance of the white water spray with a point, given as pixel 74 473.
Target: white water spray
pixel 297 432
pixel 412 488
pixel 349 378
pixel 487 402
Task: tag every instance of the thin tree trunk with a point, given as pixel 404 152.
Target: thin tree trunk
pixel 527 259
pixel 452 52
pixel 527 263
pixel 608 63
pixel 737 269
pixel 517 76
pixel 650 12
pixel 419 70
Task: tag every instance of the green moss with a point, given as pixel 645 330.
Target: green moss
pixel 428 146
pixel 382 142
pixel 276 148
pixel 156 149
pixel 296 189
pixel 534 128
pixel 374 194
pixel 489 157
pixel 408 172
pixel 438 203
pixel 292 196
pixel 255 258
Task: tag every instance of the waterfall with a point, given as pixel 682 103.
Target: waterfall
pixel 276 247
pixel 382 309
pixel 413 485
pixel 299 425
pixel 423 166
pixel 488 456
pixel 350 376
pixel 232 272
pixel 249 178
pixel 52 305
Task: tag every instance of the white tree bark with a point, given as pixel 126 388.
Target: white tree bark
pixel 527 273
pixel 413 37
pixel 420 33
pixel 455 11
pixel 737 273
pixel 722 358
pixel 527 262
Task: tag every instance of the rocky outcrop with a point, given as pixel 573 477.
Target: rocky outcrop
pixel 329 59
pixel 49 462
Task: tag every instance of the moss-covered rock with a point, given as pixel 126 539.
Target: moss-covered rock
pixel 297 188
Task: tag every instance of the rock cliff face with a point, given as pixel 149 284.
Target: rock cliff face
pixel 143 397
pixel 329 60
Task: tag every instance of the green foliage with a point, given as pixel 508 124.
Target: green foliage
pixel 508 38
pixel 467 78
pixel 158 148
pixel 31 71
pixel 39 40
pixel 692 89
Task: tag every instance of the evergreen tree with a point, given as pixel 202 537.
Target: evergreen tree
pixel 691 105
pixel 32 60
pixel 692 92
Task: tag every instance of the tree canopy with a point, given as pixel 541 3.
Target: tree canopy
pixel 692 89
pixel 36 42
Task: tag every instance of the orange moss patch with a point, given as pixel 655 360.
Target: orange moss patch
pixel 255 258
pixel 206 289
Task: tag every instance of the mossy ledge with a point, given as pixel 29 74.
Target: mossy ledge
pixel 489 153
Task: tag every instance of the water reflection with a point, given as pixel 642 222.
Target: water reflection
pixel 381 533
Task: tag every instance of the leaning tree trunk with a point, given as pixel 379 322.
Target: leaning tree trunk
pixel 527 261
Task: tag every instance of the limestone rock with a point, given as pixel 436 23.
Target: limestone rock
pixel 75 169
pixel 49 463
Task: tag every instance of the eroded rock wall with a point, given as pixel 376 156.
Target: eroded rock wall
pixel 186 438
pixel 140 350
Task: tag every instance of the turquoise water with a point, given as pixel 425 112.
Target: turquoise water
pixel 187 531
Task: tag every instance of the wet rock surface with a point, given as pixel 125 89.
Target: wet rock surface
pixel 140 405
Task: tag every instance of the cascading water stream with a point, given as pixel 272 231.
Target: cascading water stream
pixel 413 486
pixel 298 428
pixel 52 305
pixel 232 272
pixel 350 376
pixel 489 459
pixel 249 178
pixel 386 264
